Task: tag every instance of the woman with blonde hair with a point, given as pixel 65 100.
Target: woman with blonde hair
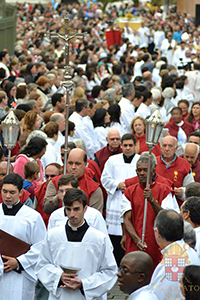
pixel 138 129
pixel 78 94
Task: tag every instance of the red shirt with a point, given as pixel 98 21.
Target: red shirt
pixel 141 145
pixel 135 195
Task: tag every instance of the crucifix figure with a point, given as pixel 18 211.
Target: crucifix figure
pixel 65 35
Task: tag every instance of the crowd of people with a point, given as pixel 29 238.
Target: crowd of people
pixel 81 226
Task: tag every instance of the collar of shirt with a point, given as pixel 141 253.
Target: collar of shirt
pixel 76 235
pixel 168 165
pixel 127 159
pixel 11 210
pixel 180 124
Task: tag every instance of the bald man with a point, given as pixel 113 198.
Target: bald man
pixel 113 147
pixel 191 153
pixel 76 165
pixel 134 276
pixel 174 167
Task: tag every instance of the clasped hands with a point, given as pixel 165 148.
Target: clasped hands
pixel 70 281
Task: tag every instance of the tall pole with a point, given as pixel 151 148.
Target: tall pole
pixel 146 201
pixel 166 9
pixel 65 35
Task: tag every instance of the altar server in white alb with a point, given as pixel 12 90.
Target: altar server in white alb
pixel 59 217
pixel 76 246
pixel 27 225
pixel 118 168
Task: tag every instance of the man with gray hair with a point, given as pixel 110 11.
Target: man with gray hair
pixel 127 107
pixel 157 96
pixel 169 233
pixel 174 167
pixel 191 153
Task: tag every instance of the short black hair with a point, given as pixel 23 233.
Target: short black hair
pixel 3 54
pixel 57 97
pixel 80 104
pixel 128 136
pixel 14 179
pixel 177 108
pixel 194 133
pixel 192 204
pixel 146 95
pixel 73 195
pixel 96 90
pixel 68 179
pixel 170 225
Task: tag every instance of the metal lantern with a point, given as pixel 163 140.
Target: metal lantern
pixel 154 126
pixel 10 128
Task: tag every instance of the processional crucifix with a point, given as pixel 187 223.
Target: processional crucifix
pixel 66 34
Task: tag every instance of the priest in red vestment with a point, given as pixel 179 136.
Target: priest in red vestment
pixel 174 167
pixel 76 165
pixel 113 147
pixel 191 153
pixel 159 196
pixel 178 127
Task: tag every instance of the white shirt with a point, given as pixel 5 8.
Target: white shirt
pixel 90 129
pixel 144 293
pixel 127 113
pixel 82 133
pixel 143 36
pixel 143 111
pixel 51 155
pixel 114 172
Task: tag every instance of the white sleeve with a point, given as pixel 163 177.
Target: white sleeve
pixel 188 179
pixel 29 259
pixel 46 271
pixel 1 267
pixel 170 203
pixel 125 205
pixel 104 279
pixel 107 178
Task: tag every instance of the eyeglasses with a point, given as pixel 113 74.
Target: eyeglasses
pixel 52 175
pixel 124 271
pixel 114 139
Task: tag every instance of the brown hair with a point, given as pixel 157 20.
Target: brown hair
pixel 29 120
pixel 42 80
pixel 30 168
pixel 51 128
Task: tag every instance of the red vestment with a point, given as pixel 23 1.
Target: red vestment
pixel 95 168
pixel 176 171
pixel 141 145
pixel 86 183
pixel 158 178
pixel 196 171
pixel 103 154
pixel 173 128
pixel 39 194
pixel 135 195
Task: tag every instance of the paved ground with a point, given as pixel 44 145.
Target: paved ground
pixel 116 294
